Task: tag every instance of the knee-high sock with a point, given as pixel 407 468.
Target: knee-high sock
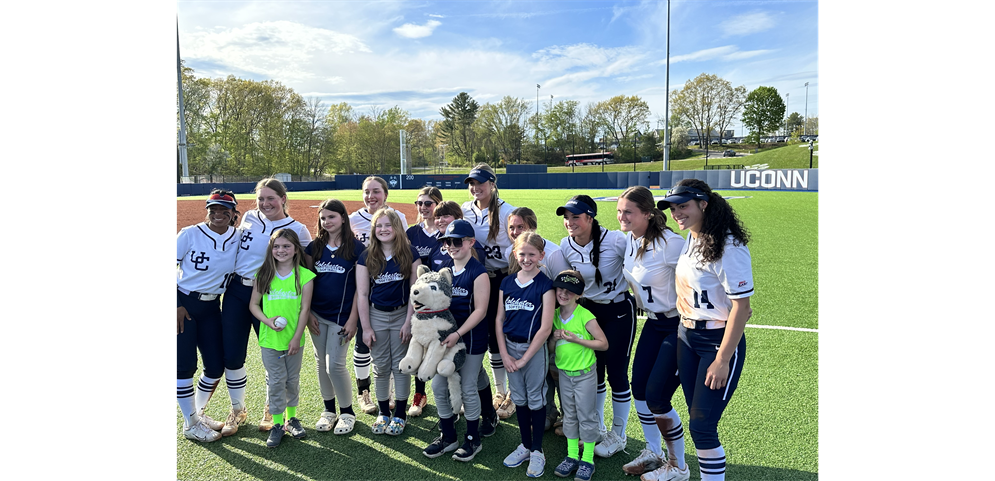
pixel 600 406
pixel 650 430
pixel 362 362
pixel 500 375
pixel 236 380
pixel 525 425
pixel 205 389
pixel 712 464
pixel 538 425
pixel 673 433
pixel 621 406
pixel 185 399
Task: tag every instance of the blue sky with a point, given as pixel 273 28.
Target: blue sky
pixel 419 55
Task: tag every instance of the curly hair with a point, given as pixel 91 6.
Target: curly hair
pixel 720 221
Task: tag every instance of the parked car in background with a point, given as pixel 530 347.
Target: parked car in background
pixel 729 153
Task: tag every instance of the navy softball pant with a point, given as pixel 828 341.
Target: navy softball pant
pixel 695 353
pixel 236 322
pixel 202 331
pixel 618 321
pixel 654 366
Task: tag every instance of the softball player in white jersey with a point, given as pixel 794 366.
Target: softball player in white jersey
pixel 374 197
pixel 714 282
pixel 652 254
pixel 257 225
pixel 492 232
pixel 598 253
pixel 205 259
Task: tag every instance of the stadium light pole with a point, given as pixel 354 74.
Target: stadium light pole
pixel 183 123
pixel 805 125
pixel 787 109
pixel 635 138
pixel 537 115
pixel 666 105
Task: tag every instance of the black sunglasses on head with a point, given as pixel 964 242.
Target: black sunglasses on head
pixel 453 241
pixel 420 203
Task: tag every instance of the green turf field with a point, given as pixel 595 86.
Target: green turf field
pixel 769 431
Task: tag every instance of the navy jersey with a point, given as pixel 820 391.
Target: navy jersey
pixel 423 241
pixel 523 305
pixel 389 289
pixel 439 256
pixel 462 304
pixel 335 284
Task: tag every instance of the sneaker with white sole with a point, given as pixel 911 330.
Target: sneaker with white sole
pixel 612 444
pixel 417 405
pixel 440 446
pixel 537 464
pixel 295 429
pixel 517 457
pixel 468 450
pixel 325 422
pixel 235 419
pixel 668 472
pixel 266 423
pixel 275 436
pixel 584 471
pixel 646 461
pixel 209 422
pixel 366 404
pixel 201 432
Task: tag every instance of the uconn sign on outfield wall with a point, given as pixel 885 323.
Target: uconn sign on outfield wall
pixel 748 179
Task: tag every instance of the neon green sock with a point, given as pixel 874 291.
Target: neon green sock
pixel 573 448
pixel 588 453
pixel 291 412
pixel 278 419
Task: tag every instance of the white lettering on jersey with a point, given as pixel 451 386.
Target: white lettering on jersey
pixel 328 267
pixel 511 304
pixel 460 292
pixel 388 278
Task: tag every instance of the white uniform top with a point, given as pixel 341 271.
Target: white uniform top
pixel 360 222
pixel 552 262
pixel 705 291
pixel 610 258
pixel 205 259
pixel 256 231
pixel 652 276
pixel 479 219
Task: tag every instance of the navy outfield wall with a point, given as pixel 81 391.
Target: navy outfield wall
pixel 771 179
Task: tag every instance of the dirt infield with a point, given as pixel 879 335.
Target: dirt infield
pixel 190 212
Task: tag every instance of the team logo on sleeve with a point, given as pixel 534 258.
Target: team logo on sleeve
pixel 742 283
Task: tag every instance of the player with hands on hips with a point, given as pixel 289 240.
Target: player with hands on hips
pixel 237 322
pixel 281 301
pixel 714 282
pixel 205 259
pixel 652 254
pixel 383 281
pixel 598 254
pixel 334 316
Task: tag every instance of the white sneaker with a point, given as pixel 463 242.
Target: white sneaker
pixel 537 464
pixel 211 423
pixel 325 422
pixel 646 461
pixel 201 432
pixel 517 457
pixel 668 472
pixel 612 444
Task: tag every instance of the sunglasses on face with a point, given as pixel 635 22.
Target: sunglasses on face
pixel 424 203
pixel 453 242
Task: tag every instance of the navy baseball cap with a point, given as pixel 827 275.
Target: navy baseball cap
pixel 680 195
pixel 458 229
pixel 571 281
pixel 479 175
pixel 577 207
pixel 226 200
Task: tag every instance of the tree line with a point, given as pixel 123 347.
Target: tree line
pixel 239 127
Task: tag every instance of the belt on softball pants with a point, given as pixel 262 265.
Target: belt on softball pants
pixel 386 308
pixel 700 324
pixel 199 295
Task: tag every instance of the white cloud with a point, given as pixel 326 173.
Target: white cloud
pixel 411 30
pixel 724 53
pixel 281 50
pixel 436 16
pixel 747 24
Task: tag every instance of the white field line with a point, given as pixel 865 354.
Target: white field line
pixel 759 326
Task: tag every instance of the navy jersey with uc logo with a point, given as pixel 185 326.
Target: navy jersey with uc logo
pixel 462 304
pixel 523 305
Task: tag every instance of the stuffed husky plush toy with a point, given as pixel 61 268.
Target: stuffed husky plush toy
pixel 431 295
